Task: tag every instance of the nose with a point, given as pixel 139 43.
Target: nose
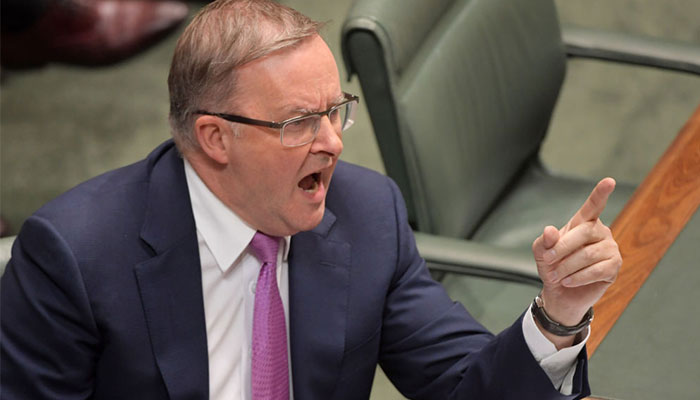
pixel 328 139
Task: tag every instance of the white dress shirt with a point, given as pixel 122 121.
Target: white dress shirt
pixel 229 274
pixel 560 366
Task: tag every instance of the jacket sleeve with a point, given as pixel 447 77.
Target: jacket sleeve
pixel 49 337
pixel 432 348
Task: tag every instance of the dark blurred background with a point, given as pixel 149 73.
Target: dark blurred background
pixel 61 124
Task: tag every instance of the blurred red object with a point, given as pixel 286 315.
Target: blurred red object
pixel 91 32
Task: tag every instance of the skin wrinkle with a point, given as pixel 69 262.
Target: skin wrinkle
pixel 223 37
pixel 256 176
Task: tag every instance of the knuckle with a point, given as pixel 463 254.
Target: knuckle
pixel 613 243
pixel 618 262
pixel 600 232
pixel 605 232
pixel 611 270
pixel 595 253
pixel 590 229
pixel 612 250
pixel 606 229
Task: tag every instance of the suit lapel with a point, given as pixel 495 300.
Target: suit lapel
pixel 319 272
pixel 170 283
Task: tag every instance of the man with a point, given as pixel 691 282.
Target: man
pixel 147 282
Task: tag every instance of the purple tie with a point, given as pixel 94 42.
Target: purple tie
pixel 270 368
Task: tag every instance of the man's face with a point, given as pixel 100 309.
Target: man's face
pixel 282 190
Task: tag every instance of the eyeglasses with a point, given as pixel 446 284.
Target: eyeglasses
pixel 302 130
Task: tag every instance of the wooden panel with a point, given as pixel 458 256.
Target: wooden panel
pixel 652 218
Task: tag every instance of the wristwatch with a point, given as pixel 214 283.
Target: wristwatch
pixel 553 326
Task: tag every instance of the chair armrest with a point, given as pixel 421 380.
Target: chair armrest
pixel 632 49
pixel 473 258
pixel 5 251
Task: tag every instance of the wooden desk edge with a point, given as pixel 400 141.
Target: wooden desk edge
pixel 669 194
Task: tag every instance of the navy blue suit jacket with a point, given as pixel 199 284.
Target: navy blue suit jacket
pixel 103 299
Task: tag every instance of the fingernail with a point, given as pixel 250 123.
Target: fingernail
pixel 566 281
pixel 549 256
pixel 553 276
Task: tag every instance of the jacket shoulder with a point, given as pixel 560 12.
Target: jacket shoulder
pixel 113 201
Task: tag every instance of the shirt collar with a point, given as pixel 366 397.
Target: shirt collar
pixel 224 232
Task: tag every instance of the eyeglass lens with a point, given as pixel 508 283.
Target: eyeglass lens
pixel 303 130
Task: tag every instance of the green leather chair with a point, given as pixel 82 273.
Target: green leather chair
pixel 460 94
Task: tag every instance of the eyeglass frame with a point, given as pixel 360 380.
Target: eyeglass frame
pixel 347 98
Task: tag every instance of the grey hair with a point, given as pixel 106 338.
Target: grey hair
pixel 223 36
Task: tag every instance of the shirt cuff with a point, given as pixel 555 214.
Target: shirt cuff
pixel 560 366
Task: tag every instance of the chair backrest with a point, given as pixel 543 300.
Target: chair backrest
pixel 460 93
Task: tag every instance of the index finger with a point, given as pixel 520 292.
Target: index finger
pixel 595 203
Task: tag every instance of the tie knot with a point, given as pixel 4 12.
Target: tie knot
pixel 265 247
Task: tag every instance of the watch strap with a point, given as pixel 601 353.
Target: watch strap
pixel 555 327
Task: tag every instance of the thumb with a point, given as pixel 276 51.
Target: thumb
pixel 544 242
pixel 550 237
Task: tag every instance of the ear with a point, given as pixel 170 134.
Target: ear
pixel 210 132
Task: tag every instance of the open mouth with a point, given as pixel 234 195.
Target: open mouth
pixel 310 183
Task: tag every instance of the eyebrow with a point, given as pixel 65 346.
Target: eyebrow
pixel 339 99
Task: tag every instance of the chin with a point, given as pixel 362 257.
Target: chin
pixel 307 222
pixel 313 222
